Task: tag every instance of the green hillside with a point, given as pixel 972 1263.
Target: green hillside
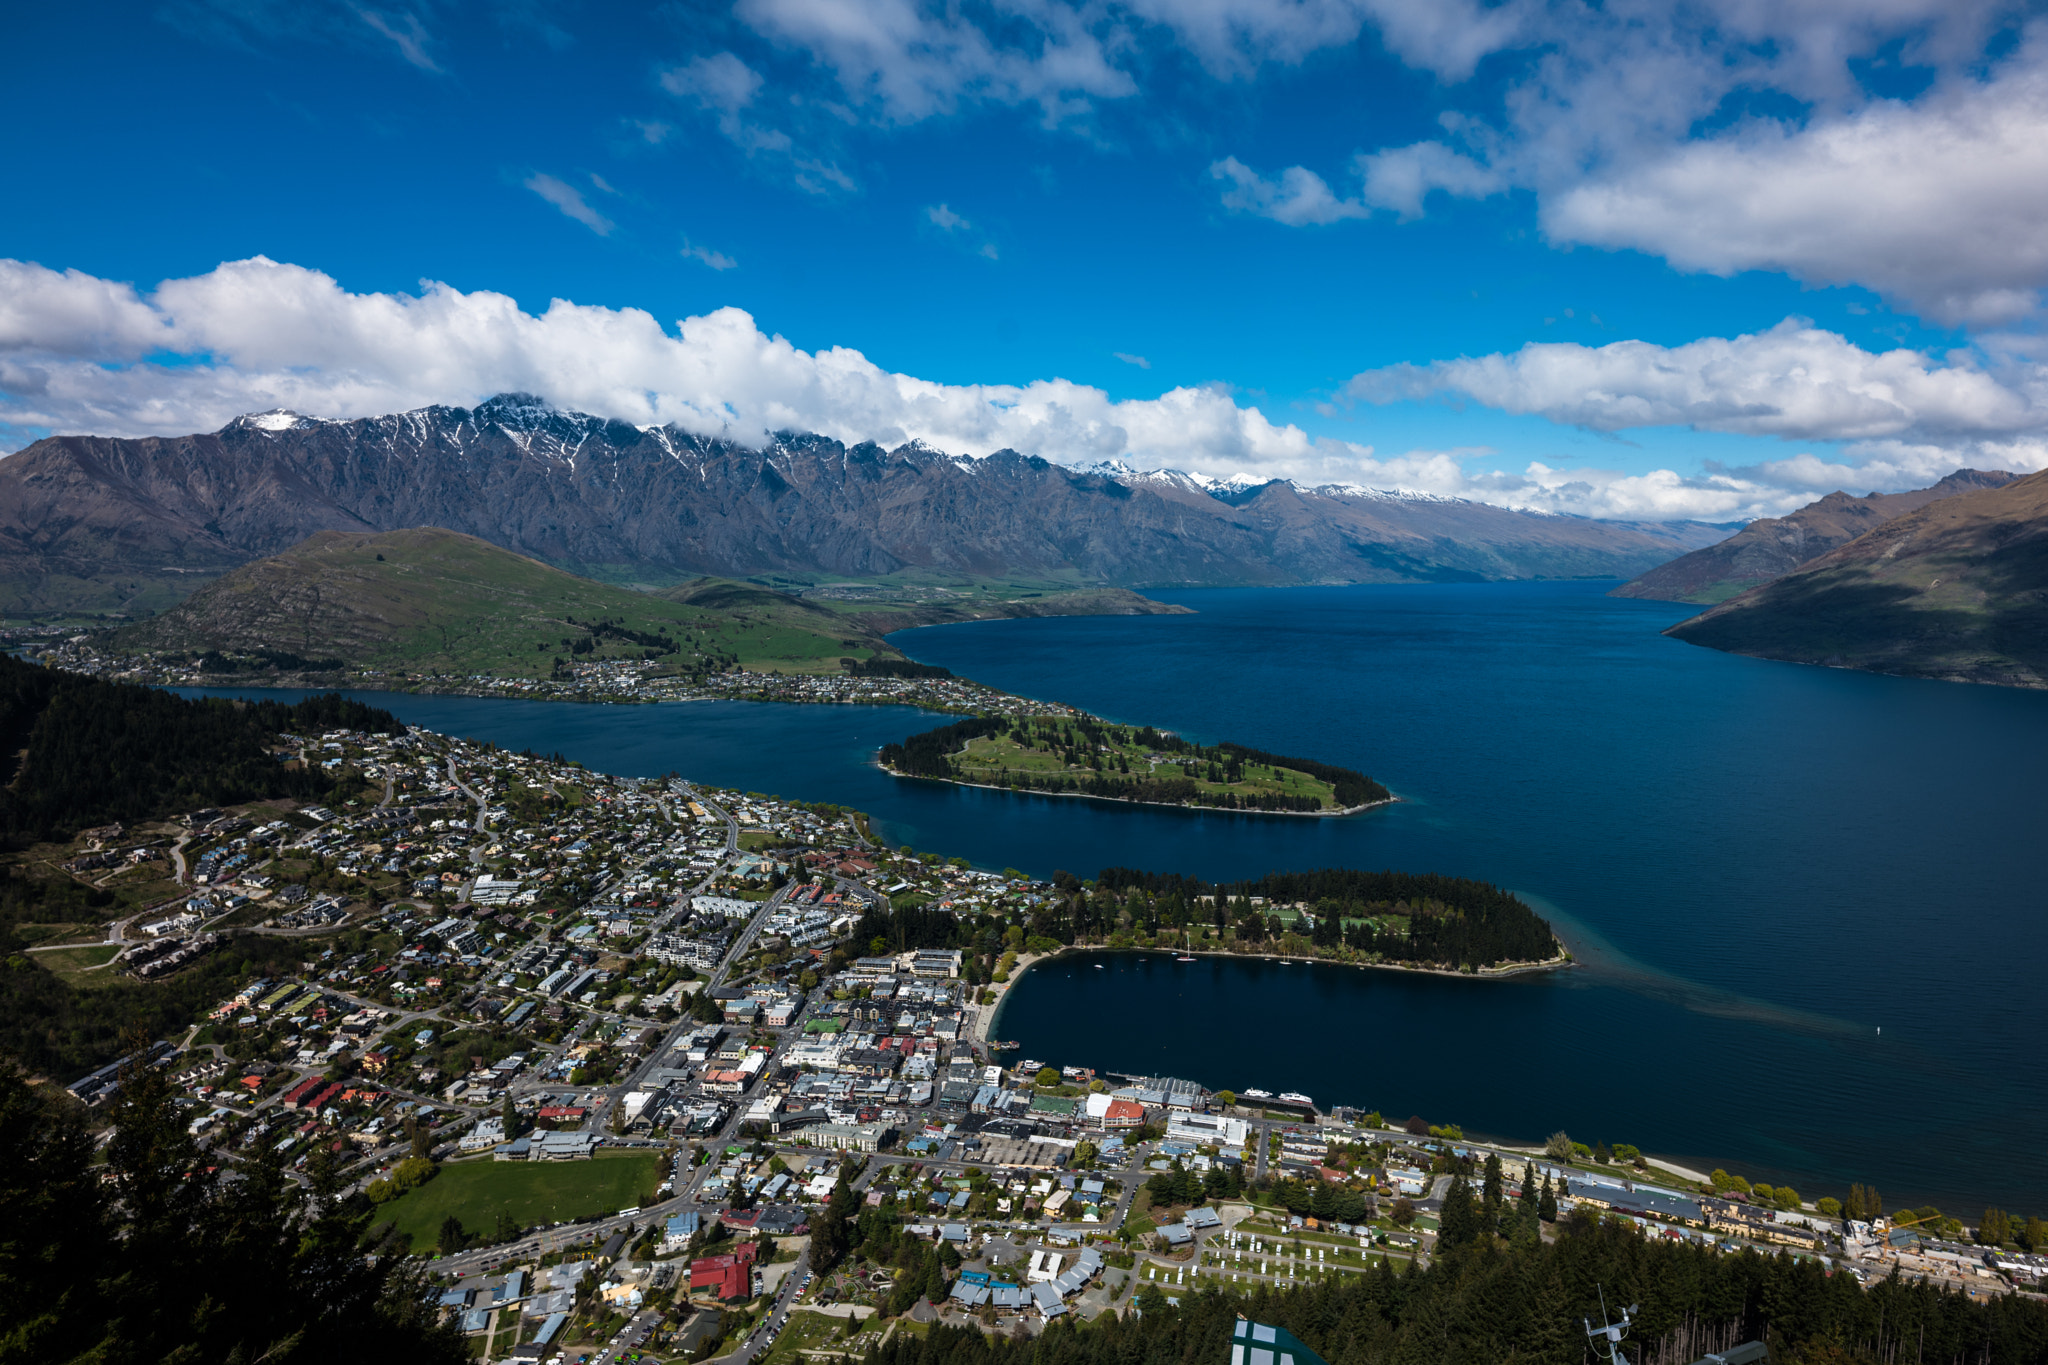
pixel 428 600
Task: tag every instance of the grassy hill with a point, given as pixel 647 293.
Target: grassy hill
pixel 430 600
pixel 1956 590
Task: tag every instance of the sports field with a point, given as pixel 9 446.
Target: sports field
pixel 529 1192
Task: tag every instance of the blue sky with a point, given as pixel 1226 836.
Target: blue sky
pixel 1315 238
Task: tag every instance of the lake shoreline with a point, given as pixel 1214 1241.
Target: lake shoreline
pixel 1126 801
pixel 985 1021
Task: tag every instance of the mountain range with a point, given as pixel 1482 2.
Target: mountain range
pixel 1957 589
pixel 1771 547
pixel 114 524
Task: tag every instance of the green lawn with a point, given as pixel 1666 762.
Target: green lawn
pixel 69 964
pixel 529 1191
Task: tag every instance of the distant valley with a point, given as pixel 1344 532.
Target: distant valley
pixel 131 526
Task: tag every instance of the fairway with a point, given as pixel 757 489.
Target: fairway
pixel 530 1192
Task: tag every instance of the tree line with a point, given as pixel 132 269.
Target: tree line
pixel 1448 919
pixel 892 668
pixel 1487 1300
pixel 87 751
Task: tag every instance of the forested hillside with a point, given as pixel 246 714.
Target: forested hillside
pixel 83 751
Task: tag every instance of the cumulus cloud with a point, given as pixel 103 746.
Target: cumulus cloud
pixel 1937 204
pixel 1796 382
pixel 570 201
pixel 255 334
pixel 1130 359
pixel 1628 122
pixel 82 354
pixel 945 219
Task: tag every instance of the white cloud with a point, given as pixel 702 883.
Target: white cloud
pixel 720 81
pixel 570 201
pixel 1933 201
pixel 1402 179
pixel 1398 180
pixel 1297 197
pixel 1937 204
pixel 406 31
pixel 717 260
pixel 76 356
pixel 945 219
pixel 260 334
pixel 1130 359
pixel 988 250
pixel 725 87
pixel 1236 37
pixel 909 61
pixel 1796 382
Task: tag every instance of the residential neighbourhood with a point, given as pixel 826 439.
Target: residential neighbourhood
pixel 606 1052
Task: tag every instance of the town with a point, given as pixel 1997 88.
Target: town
pixel 642 1066
pixel 618 681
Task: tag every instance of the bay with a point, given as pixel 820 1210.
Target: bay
pixel 1759 865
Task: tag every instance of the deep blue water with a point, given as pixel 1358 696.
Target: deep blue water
pixel 1761 865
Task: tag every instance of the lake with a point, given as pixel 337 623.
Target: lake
pixel 1761 865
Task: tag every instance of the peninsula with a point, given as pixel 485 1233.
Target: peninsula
pixel 1082 755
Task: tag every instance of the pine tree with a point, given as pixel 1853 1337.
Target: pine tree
pixel 167 1261
pixel 1494 1193
pixel 1546 1205
pixel 1459 1222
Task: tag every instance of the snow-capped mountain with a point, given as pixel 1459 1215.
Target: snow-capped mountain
pixel 594 494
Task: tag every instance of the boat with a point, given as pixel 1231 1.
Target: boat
pixel 1183 959
pixel 1256 1094
pixel 1029 1065
pixel 1296 1097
